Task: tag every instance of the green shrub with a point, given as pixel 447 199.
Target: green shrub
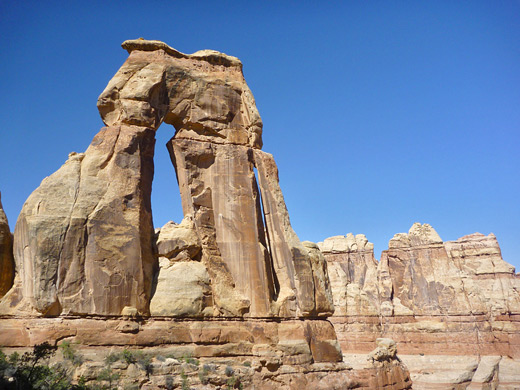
pixel 203 375
pixel 185 383
pixel 233 383
pixel 111 358
pixel 229 371
pixel 70 354
pixel 107 375
pixel 32 372
pixel 128 356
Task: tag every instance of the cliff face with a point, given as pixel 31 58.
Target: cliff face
pixel 432 297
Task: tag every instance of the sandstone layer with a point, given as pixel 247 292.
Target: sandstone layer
pixel 434 298
pixel 259 354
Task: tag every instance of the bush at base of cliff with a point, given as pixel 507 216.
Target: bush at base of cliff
pixel 32 372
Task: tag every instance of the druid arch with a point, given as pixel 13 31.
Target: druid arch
pixel 84 241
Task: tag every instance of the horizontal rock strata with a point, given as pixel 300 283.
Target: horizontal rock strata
pixel 289 355
pixel 431 297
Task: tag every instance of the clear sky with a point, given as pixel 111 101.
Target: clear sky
pixel 379 113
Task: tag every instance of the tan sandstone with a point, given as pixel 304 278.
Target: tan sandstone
pixel 84 239
pixel 435 299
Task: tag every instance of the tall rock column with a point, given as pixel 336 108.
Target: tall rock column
pixel 83 241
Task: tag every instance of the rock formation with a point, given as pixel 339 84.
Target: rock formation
pixel 232 281
pixel 84 239
pixel 6 254
pixel 232 284
pixel 457 298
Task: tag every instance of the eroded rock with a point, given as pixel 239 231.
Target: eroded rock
pixel 352 270
pixel 434 298
pixel 183 290
pixel 83 241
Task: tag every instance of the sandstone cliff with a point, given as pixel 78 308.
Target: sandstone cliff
pixel 457 298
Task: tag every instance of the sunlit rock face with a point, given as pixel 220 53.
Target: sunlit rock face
pixel 84 241
pixel 256 263
pixel 434 298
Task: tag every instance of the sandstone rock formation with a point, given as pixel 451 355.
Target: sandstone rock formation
pixel 353 274
pixel 457 298
pixel 84 239
pixel 232 283
pixel 287 354
pixel 6 254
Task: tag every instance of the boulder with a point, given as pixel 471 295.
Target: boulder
pixel 182 290
pixel 178 241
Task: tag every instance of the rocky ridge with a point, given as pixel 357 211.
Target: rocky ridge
pixel 435 299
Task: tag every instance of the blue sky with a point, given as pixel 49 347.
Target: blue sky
pixel 379 113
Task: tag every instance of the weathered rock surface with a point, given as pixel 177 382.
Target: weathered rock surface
pixel 262 271
pixel 381 368
pixel 211 354
pixel 182 290
pixel 457 298
pixel 353 274
pixel 6 254
pixel 463 372
pixel 84 240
